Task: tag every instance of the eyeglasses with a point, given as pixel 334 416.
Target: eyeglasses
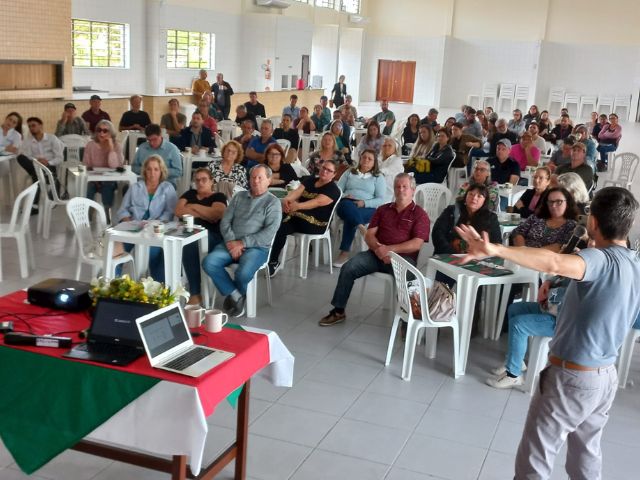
pixel 201 179
pixel 328 170
pixel 102 130
pixel 482 169
pixel 274 154
pixel 555 203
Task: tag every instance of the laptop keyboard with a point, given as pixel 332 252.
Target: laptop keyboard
pixel 186 360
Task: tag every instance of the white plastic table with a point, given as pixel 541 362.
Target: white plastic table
pixel 80 179
pixel 512 194
pixel 305 144
pixel 468 283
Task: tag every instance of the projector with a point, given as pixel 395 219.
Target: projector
pixel 60 293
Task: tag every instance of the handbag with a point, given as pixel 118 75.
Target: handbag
pixel 441 301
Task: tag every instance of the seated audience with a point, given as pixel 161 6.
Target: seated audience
pixel 504 169
pixel 326 111
pixel 247 134
pixel 287 132
pixel 254 107
pixel 282 172
pixel 462 114
pixel 385 116
pixel 343 146
pixel 11 133
pixel 95 114
pixel 591 123
pixel 472 209
pixel 103 151
pixel 401 227
pixel 70 123
pixel 424 143
pixel 525 152
pixel 481 175
pixel 291 109
pixel 307 209
pixel 243 114
pixel 608 140
pixel 410 133
pixel 561 131
pixel 363 190
pixel 371 140
pixel 563 111
pixel 207 120
pixel 552 224
pixel 207 209
pixel 201 85
pixel 214 109
pixel 434 168
pixel 517 124
pixel 431 119
pixel 502 132
pixel 533 115
pixel 537 140
pixel 578 165
pixel 602 121
pixel 134 119
pixel 576 187
pixel 157 145
pixel 562 156
pixel 45 148
pixel 390 165
pixel 247 226
pixel 319 119
pixel 581 133
pixel 530 199
pixel 258 144
pixel 545 126
pixel 328 150
pixel 347 107
pixel 303 122
pixel 196 136
pixel 471 126
pixel 462 144
pixel 484 122
pixel 230 168
pixel 450 121
pixel 151 198
pixel 173 121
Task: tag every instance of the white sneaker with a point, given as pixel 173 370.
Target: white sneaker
pixel 501 370
pixel 504 381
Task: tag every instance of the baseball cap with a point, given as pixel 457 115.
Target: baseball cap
pixel 533 122
pixel 506 142
pixel 95 97
pixel 69 105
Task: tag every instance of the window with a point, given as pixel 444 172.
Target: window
pixel 190 49
pixel 99 44
pixel 326 3
pixel 301 1
pixel 350 6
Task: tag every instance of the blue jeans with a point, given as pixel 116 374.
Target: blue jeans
pixel 191 261
pixel 525 319
pixel 106 189
pixel 248 264
pixel 352 216
pixel 604 150
pixel 156 262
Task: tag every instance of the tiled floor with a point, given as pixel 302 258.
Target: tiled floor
pixel 347 416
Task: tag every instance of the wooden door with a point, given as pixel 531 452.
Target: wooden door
pixel 395 80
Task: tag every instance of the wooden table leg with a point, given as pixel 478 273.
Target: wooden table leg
pixel 242 432
pixel 179 467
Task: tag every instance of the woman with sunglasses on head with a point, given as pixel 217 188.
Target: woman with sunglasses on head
pixel 307 209
pixel 207 208
pixel 553 223
pixel 481 175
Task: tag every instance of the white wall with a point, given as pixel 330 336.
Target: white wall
pixel 324 55
pixel 293 39
pixel 350 60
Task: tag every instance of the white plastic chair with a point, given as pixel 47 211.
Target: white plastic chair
pixel 49 198
pixel 473 100
pixel 572 98
pixel 285 144
pixel 625 165
pixel 73 144
pixel 276 120
pixel 18 228
pixel 299 169
pixel 121 140
pixel 605 100
pixel 259 120
pixel 489 91
pixel 538 353
pixel 556 95
pixel 507 93
pixel 622 101
pixel 219 142
pixel 78 212
pixel 587 100
pixel 624 358
pixel 403 312
pixel 226 128
pixel 521 95
pixel 433 198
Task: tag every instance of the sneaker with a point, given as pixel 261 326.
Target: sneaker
pixel 273 268
pixel 341 260
pixel 499 371
pixel 228 304
pixel 331 319
pixel 238 308
pixel 504 381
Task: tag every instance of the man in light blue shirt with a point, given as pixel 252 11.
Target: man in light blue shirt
pixel 156 145
pixel 292 109
pixel 601 304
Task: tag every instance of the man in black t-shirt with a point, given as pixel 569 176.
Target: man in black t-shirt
pixel 134 119
pixel 504 169
pixel 254 107
pixel 502 131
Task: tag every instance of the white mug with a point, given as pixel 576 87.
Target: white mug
pixel 188 222
pixel 194 315
pixel 213 320
pixel 202 153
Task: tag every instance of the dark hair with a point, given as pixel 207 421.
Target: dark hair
pixel 196 112
pixel 458 125
pixel 615 209
pixel 375 171
pixel 324 97
pixel 19 124
pixel 471 111
pixel 252 92
pixel 293 96
pixel 481 213
pixel 570 213
pixel 287 115
pixel 34 119
pixel 274 146
pixel 206 170
pixel 564 115
pixel 152 129
pixel 412 116
pixel 432 111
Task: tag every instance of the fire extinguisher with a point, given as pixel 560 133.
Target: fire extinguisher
pixel 267 71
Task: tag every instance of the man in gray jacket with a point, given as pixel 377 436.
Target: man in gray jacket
pixel 248 226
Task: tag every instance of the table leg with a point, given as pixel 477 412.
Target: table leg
pixel 169 253
pixel 141 258
pixel 108 260
pixel 467 292
pixel 203 243
pixel 242 433
pixel 179 467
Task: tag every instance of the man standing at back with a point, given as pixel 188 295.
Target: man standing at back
pixel 222 92
pixel 601 304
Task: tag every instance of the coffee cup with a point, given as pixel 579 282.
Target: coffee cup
pixel 187 219
pixel 214 320
pixel 82 168
pixel 202 153
pixel 194 315
pixel 187 150
pixel 158 228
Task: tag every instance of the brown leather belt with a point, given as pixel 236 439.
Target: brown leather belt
pixel 558 362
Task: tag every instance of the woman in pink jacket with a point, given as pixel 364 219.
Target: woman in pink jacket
pixel 608 140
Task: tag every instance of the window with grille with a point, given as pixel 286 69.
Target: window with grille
pixel 350 6
pixel 99 44
pixel 190 49
pixel 326 3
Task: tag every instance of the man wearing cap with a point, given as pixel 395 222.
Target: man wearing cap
pixel 538 141
pixel 134 119
pixel 70 123
pixel 503 168
pixel 578 165
pixel 95 114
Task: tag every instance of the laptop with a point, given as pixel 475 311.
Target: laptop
pixel 113 337
pixel 169 346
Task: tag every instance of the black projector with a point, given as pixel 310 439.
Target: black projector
pixel 61 294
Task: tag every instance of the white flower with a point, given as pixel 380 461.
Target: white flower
pixel 151 287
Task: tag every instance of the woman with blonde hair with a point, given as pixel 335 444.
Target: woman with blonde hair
pixel 424 144
pixel 230 168
pixel 328 151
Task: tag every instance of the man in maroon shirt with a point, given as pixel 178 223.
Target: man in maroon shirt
pixel 94 114
pixel 401 227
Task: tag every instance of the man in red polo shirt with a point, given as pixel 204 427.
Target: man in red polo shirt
pixel 95 114
pixel 400 226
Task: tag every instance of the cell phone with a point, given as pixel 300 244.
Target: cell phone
pixel 119 169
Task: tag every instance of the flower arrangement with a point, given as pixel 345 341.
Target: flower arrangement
pixel 146 290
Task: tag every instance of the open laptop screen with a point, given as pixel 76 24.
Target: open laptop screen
pixel 164 331
pixel 116 320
